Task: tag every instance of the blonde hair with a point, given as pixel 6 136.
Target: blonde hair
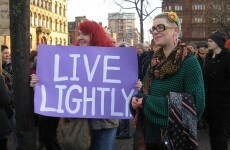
pixel 173 23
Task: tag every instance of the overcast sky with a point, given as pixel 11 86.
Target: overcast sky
pixel 98 10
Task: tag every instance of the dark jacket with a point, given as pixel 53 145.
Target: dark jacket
pixel 140 58
pixel 4 100
pixel 217 84
pixel 146 62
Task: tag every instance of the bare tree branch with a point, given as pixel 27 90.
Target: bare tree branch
pixel 218 11
pixel 141 7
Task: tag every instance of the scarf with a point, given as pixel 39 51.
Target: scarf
pixel 162 67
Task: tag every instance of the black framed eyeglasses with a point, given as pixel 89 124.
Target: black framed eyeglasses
pixel 160 28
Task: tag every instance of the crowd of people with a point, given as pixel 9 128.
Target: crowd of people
pixel 181 88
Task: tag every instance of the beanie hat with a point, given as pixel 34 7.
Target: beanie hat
pixel 202 44
pixel 193 45
pixel 227 44
pixel 219 38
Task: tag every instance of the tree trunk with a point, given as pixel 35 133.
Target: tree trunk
pixel 141 22
pixel 20 49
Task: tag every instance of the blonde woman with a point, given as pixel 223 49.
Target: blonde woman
pixel 173 69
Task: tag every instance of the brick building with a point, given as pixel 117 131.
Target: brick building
pixel 48 23
pixel 123 24
pixel 195 27
pixel 72 28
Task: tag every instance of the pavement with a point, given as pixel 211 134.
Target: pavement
pixel 127 144
pixel 203 138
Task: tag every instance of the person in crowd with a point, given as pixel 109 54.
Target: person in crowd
pixel 123 131
pixel 173 69
pixel 32 61
pixel 201 54
pixel 217 85
pixel 147 59
pixel 7 73
pixel 47 125
pixel 146 47
pixel 192 47
pixel 202 51
pixel 103 131
pixel 141 54
pixel 5 128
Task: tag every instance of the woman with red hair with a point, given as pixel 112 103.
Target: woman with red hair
pixel 103 131
pixel 95 33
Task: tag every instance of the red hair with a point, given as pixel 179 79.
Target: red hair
pixel 98 36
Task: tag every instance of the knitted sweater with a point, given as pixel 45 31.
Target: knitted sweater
pixel 188 79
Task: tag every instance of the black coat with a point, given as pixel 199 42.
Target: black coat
pixel 141 58
pixel 217 84
pixel 5 128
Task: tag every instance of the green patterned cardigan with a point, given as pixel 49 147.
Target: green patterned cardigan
pixel 188 79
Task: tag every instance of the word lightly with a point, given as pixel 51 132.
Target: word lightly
pixel 90 73
pixel 81 101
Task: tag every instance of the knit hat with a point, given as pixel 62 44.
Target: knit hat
pixel 202 44
pixel 219 38
pixel 193 45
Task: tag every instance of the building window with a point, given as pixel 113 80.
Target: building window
pixel 165 8
pixel 64 11
pixel 198 7
pixel 47 22
pixel 56 24
pixel 198 20
pixel 34 2
pixel 60 9
pixel 181 20
pixel 64 30
pixel 43 21
pixel 178 7
pixel 39 20
pixel 56 7
pixel 50 23
pixel 60 26
pixel 50 6
pixel 41 3
pixel 170 8
pixel 35 20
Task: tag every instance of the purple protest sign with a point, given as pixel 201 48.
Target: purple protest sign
pixel 85 82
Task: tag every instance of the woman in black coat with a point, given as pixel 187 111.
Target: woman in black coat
pixel 217 85
pixel 4 124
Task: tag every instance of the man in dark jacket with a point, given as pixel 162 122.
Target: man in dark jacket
pixel 217 83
